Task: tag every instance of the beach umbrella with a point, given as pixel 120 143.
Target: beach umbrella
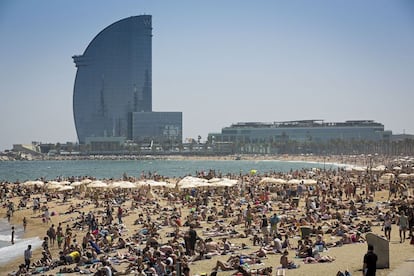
pixel 385 178
pixel 253 172
pixel 294 181
pixel 272 180
pixel 65 188
pixel 388 175
pixel 411 175
pixel 380 168
pixel 86 181
pixel 34 183
pixel 97 184
pixel 222 182
pixel 77 184
pixel 397 168
pixel 309 181
pixel 64 182
pixel 123 185
pixel 53 185
pixel 192 182
pixel 403 175
pixel 359 169
pixel 154 183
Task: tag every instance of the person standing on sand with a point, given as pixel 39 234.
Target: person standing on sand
pixel 403 226
pixel 28 256
pixel 12 235
pixel 370 262
pixel 51 233
pixel 24 224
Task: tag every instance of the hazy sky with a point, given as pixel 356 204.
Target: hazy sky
pixel 219 62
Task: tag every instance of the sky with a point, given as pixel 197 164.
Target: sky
pixel 219 62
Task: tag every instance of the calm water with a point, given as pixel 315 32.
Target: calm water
pixel 30 170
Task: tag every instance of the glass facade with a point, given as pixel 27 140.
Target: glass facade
pixel 302 131
pixel 114 79
pixel 158 127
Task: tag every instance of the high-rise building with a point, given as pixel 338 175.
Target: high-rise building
pixel 114 81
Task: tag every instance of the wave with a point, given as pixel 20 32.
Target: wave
pixel 6 238
pixel 11 252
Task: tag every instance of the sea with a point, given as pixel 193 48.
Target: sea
pixel 20 171
pixel 10 252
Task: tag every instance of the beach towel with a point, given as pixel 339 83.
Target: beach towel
pixel 95 247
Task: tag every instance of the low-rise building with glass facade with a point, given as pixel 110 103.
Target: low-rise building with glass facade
pixel 316 131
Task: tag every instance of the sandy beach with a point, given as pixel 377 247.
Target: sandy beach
pixel 158 208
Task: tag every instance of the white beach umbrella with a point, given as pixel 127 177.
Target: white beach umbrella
pixel 403 175
pixel 86 181
pixel 272 180
pixel 154 183
pixel 123 185
pixel 359 169
pixel 65 188
pixel 53 185
pixel 34 183
pixel 397 168
pixel 310 181
pixel 380 168
pixel 222 182
pixel 97 184
pixel 192 182
pixel 294 181
pixel 77 184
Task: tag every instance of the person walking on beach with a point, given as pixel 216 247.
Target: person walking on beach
pixel 119 215
pixel 51 233
pixel 12 235
pixel 387 225
pixel 370 262
pixel 403 226
pixel 24 224
pixel 28 256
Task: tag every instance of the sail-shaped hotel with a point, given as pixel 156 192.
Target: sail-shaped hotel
pixel 112 96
